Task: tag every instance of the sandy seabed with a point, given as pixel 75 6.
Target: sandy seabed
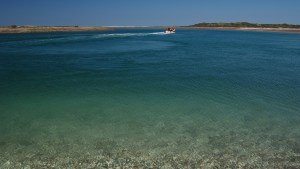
pixel 174 143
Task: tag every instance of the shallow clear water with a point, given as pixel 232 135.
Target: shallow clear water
pixel 196 94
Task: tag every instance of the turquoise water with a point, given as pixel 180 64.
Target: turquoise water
pixel 197 98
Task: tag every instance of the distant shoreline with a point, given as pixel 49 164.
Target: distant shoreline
pixel 40 29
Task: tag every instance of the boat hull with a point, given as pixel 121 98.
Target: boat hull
pixel 169 32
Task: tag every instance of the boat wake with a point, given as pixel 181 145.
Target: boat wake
pixel 128 34
pixel 76 38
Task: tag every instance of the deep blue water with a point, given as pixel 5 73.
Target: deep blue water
pixel 142 88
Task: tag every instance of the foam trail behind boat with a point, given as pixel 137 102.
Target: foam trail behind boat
pixel 128 34
pixel 76 38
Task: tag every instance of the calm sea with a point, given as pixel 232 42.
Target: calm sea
pixel 212 98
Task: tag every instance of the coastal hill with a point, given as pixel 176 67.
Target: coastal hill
pixel 245 24
pixel 248 26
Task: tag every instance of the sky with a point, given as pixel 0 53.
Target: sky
pixel 146 12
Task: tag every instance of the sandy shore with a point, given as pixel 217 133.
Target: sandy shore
pixel 34 29
pixel 252 29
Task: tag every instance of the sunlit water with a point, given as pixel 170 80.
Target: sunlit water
pixel 227 95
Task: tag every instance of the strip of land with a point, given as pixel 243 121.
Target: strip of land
pixel 212 26
pixel 37 29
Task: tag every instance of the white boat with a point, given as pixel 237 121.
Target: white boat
pixel 170 30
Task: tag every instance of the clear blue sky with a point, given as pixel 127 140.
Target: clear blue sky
pixel 146 12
